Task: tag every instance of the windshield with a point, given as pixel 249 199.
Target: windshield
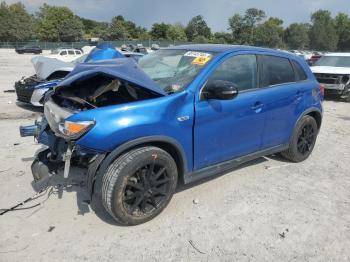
pixel 336 61
pixel 80 59
pixel 174 70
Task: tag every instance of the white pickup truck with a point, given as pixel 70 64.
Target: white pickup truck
pixel 333 71
pixel 66 55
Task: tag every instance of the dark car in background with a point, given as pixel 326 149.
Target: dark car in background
pixel 29 49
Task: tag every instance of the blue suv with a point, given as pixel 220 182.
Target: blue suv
pixel 181 114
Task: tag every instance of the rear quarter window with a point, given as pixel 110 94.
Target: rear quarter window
pixel 300 74
pixel 276 70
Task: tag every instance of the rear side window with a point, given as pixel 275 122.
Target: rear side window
pixel 71 52
pixel 240 70
pixel 276 70
pixel 299 71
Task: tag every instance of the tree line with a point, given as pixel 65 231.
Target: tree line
pixel 54 23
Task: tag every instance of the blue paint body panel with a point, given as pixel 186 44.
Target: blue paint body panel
pixel 215 130
pixel 103 52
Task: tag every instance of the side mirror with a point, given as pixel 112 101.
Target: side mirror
pixel 220 89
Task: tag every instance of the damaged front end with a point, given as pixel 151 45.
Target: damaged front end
pixel 64 123
pixel 61 149
pixel 335 84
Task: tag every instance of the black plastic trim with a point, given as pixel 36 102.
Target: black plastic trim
pixel 230 164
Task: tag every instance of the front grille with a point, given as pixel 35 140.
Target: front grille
pixel 25 88
pixel 24 93
pixel 328 78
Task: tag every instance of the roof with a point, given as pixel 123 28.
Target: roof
pixel 218 48
pixel 337 54
pixel 66 48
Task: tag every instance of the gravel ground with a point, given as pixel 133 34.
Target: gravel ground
pixel 267 210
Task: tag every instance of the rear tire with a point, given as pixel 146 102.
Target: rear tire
pixel 139 185
pixel 303 140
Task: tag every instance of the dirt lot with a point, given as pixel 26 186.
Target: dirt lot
pixel 268 210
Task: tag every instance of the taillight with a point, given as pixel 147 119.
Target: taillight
pixel 322 89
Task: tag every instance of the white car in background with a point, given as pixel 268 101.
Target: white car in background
pixel 65 54
pixel 333 71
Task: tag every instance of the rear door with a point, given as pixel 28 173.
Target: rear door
pixel 227 129
pixel 282 96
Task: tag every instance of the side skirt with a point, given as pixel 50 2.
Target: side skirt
pixel 230 164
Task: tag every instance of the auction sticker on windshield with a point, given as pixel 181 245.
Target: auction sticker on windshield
pixel 200 58
pixel 197 54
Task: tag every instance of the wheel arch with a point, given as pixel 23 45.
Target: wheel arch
pixel 168 144
pixel 317 115
pixel 314 112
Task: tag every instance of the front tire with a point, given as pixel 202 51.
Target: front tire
pixel 303 140
pixel 139 185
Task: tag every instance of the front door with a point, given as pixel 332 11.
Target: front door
pixel 227 129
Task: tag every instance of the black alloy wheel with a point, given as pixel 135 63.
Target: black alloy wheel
pixel 139 184
pixel 147 189
pixel 306 139
pixel 303 140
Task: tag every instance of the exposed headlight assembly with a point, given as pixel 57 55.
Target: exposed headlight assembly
pixel 345 79
pixel 74 130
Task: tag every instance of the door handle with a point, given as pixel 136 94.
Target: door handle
pixel 258 105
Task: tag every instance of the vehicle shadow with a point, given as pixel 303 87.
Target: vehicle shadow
pixel 30 107
pixel 58 185
pixel 335 99
pixel 182 187
pixel 77 183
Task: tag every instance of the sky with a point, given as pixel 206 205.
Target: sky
pixel 215 12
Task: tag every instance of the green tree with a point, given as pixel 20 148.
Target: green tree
pixel 117 28
pixel 252 17
pixel 297 36
pixel 133 30
pixel 243 27
pixel 200 39
pixel 15 23
pixel 237 26
pixel 323 34
pixel 71 30
pixel 342 22
pixel 4 21
pixel 270 33
pixel 101 31
pixel 53 20
pixel 221 38
pixel 177 32
pixel 89 25
pixel 197 27
pixel 160 31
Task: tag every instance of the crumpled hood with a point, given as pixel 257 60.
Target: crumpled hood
pixel 330 70
pixel 123 68
pixel 45 66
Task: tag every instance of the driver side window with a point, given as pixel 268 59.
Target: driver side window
pixel 241 70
